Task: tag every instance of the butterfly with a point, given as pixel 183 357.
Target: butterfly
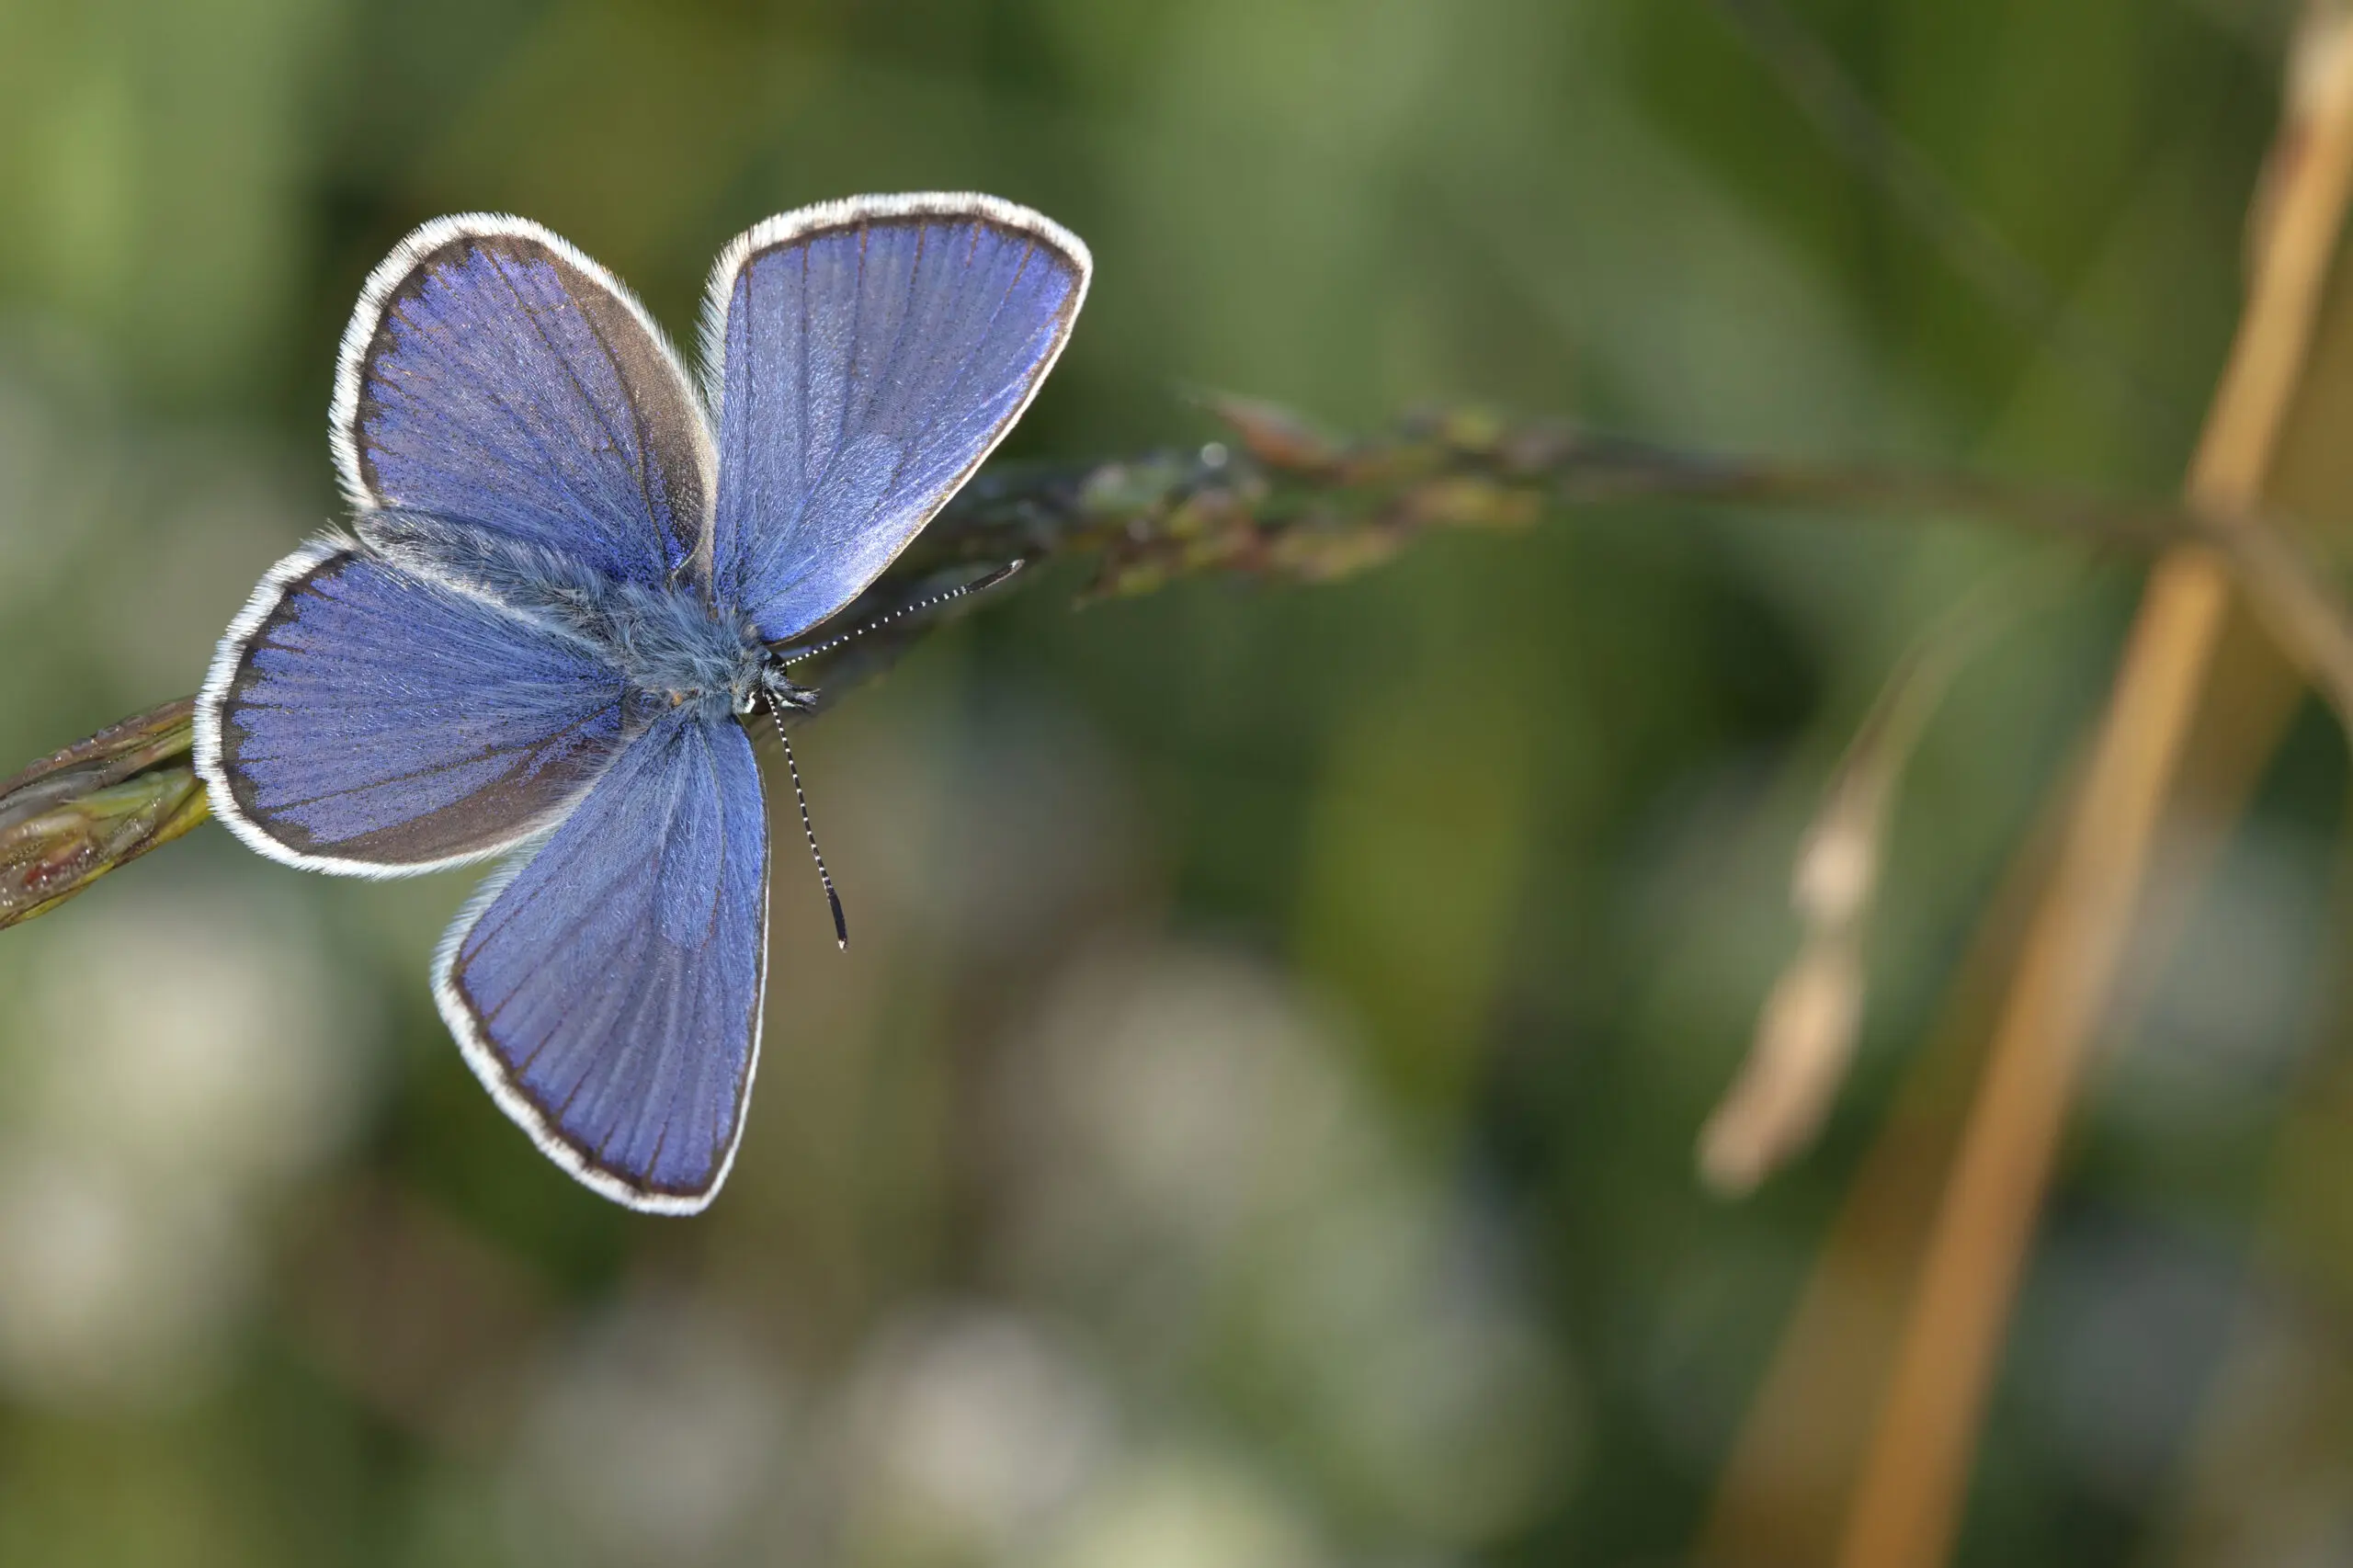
pixel 571 579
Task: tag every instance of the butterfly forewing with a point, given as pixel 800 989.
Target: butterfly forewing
pixel 865 357
pixel 495 375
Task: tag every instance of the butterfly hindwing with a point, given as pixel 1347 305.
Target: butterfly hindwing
pixel 863 357
pixel 495 375
pixel 358 719
pixel 607 990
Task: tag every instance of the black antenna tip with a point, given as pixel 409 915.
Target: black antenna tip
pixel 841 927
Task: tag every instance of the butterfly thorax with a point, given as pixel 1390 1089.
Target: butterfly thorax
pixel 671 643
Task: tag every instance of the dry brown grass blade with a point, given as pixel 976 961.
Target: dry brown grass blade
pixel 1805 1032
pixel 1787 1482
pixel 1807 1027
pixel 1908 1502
pixel 1783 1490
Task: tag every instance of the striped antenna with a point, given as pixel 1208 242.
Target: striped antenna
pixel 977 585
pixel 808 832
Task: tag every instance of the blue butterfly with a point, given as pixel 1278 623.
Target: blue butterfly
pixel 571 579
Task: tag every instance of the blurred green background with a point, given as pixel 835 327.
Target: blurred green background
pixel 1253 1125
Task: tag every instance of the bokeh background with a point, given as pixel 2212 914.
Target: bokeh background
pixel 1253 1125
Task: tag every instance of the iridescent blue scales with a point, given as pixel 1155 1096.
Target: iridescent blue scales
pixel 566 577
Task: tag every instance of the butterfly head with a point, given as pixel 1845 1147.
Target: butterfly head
pixel 768 684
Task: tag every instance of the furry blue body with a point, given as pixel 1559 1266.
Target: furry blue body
pixel 671 643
